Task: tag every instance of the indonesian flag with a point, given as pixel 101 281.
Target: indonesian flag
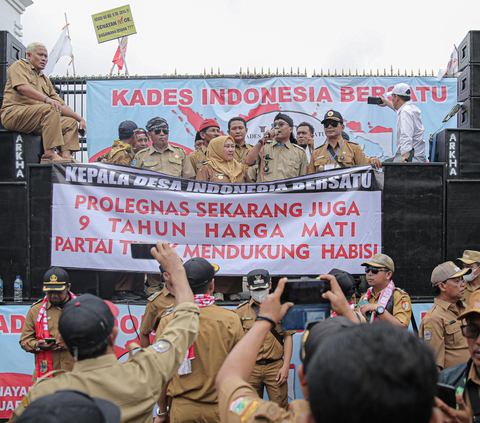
pixel 452 67
pixel 118 59
pixel 63 47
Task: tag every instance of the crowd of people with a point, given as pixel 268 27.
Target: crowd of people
pixel 210 364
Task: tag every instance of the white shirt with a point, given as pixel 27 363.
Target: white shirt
pixel 410 131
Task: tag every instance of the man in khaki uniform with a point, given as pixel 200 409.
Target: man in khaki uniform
pixel 192 388
pixel 57 293
pixel 161 156
pixel 122 151
pixel 270 371
pixel 209 129
pixel 277 156
pixel 471 259
pixel 88 328
pixel 158 303
pixel 237 129
pixel 31 104
pixel 383 300
pixel 440 328
pixel 338 152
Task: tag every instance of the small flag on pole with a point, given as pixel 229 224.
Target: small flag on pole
pixel 452 67
pixel 118 58
pixel 63 47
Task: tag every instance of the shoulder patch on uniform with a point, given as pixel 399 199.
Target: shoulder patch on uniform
pixel 36 302
pixel 242 405
pixel 352 142
pixel 154 295
pixel 168 311
pixel 241 305
pixel 401 290
pixel 134 162
pixel 406 305
pixel 427 334
pixel 161 346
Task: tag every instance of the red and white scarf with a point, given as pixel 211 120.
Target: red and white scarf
pixel 201 300
pixel 43 358
pixel 384 296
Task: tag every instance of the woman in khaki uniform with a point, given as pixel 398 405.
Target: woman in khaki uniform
pixel 221 165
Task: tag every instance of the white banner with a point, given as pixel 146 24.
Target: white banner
pixel 301 226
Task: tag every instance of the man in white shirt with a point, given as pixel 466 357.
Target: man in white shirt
pixel 410 129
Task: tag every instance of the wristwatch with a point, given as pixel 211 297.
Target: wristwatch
pixel 37 349
pixel 164 413
pixel 380 310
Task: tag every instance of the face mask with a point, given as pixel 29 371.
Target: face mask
pixel 259 295
pixel 471 276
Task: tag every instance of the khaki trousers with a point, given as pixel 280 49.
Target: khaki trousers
pixel 263 376
pixel 41 119
pixel 183 410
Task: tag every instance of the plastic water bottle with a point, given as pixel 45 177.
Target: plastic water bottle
pixel 18 290
pixel 1 290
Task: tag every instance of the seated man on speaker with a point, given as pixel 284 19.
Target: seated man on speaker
pixel 410 128
pixel 31 104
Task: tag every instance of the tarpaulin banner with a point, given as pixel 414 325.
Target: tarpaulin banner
pixel 185 103
pixel 304 226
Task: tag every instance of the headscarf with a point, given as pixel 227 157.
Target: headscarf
pixel 232 169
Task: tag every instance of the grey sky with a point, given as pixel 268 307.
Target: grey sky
pixel 192 35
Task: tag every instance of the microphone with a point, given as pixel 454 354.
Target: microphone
pixel 267 136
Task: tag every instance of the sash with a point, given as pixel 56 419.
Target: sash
pixel 201 300
pixel 384 296
pixel 43 358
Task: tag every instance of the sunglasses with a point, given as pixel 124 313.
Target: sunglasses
pixel 470 331
pixel 374 270
pixel 279 124
pixel 331 123
pixel 158 131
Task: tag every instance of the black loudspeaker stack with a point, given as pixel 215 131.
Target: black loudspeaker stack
pixel 468 81
pixel 11 50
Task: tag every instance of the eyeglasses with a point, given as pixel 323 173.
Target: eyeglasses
pixel 158 131
pixel 331 123
pixel 279 124
pixel 374 270
pixel 470 331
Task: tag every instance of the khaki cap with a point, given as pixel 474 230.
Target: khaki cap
pixel 447 270
pixel 380 260
pixel 470 256
pixel 473 306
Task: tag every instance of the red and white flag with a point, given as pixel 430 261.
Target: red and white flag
pixel 118 59
pixel 452 67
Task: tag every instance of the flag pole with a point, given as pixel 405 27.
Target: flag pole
pixel 68 33
pixel 123 56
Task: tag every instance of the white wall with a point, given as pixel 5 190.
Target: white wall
pixel 10 15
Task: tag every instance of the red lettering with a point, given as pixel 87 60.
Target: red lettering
pixel 186 97
pixel 119 97
pixel 378 91
pixel 362 93
pixel 328 230
pixel 284 95
pixel 208 230
pixel 170 97
pixel 80 199
pixel 346 94
pixel 130 205
pixel 423 93
pixel 256 96
pixel 16 323
pixel 300 94
pixel 154 97
pixel 114 223
pixel 3 324
pixel 79 245
pixel 324 95
pixel 58 242
pixel 309 232
pixel 133 322
pixel 137 98
pixel 234 96
pixel 220 98
pixel 436 97
pixel 67 245
pixel 125 245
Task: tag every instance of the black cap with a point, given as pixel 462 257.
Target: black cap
pixel 86 322
pixel 284 117
pixel 344 279
pixel 317 332
pixel 55 279
pixel 156 123
pixel 199 271
pixel 333 115
pixel 125 129
pixel 258 279
pixel 67 406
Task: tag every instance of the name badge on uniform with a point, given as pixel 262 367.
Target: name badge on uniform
pixel 329 166
pixel 247 318
pixel 149 160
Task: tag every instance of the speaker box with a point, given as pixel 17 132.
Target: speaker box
pixel 469 50
pixel 459 149
pixel 469 114
pixel 413 221
pixel 468 83
pixel 13 227
pixel 18 150
pixel 463 219
pixel 11 50
pixel 40 230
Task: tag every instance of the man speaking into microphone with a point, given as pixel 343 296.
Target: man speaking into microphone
pixel 277 155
